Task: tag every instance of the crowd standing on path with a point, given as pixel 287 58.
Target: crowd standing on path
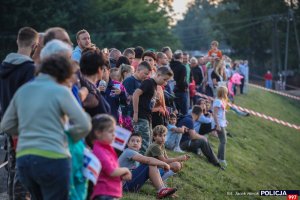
pixel 56 103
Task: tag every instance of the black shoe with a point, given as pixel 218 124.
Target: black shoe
pixel 229 134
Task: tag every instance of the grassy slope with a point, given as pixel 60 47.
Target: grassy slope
pixel 261 156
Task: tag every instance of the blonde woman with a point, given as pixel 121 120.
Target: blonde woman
pixel 219 108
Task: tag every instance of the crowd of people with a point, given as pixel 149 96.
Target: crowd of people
pixel 56 101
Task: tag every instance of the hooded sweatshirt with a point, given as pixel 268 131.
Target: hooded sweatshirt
pixel 15 70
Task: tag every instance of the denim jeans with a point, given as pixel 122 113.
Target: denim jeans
pixel 181 102
pixel 45 178
pixel 269 84
pixel 144 128
pixel 139 176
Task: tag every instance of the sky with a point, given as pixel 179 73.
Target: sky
pixel 180 7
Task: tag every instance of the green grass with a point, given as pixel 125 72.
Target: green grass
pixel 261 155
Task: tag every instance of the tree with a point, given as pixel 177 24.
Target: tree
pixel 113 23
pixel 195 31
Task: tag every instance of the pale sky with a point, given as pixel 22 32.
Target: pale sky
pixel 180 7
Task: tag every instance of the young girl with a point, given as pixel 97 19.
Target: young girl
pixel 219 107
pixel 109 183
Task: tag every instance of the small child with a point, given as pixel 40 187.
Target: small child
pixel 157 150
pixel 143 168
pixel 109 183
pixel 174 134
pixel 214 52
pixel 219 114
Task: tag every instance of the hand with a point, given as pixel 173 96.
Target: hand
pixel 187 157
pixel 184 158
pixel 166 167
pixel 182 129
pixel 102 88
pixel 127 175
pixel 83 92
pixel 135 117
pixel 117 91
pixel 218 128
pixel 175 112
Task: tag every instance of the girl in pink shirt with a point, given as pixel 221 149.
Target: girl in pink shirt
pixel 109 183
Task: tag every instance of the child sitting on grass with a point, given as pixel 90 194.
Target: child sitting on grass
pixel 143 168
pixel 157 150
pixel 109 183
pixel 174 134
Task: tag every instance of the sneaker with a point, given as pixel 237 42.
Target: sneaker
pixel 229 134
pixel 165 192
pixel 223 163
pixel 199 152
pixel 178 150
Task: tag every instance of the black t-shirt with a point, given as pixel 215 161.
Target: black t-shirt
pixel 147 99
pixel 197 75
pixel 214 75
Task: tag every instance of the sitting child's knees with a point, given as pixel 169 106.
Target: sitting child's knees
pixel 176 167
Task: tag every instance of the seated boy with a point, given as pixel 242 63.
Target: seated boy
pixel 157 150
pixel 174 134
pixel 143 168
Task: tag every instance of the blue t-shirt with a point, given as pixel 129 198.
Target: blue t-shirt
pixel 131 84
pixel 186 121
pixel 76 54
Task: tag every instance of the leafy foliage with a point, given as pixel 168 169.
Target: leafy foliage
pixel 113 23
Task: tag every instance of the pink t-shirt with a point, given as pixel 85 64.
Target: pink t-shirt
pixel 106 185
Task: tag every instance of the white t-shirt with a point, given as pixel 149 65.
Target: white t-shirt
pixel 221 112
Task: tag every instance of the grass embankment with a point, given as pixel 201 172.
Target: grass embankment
pixel 261 155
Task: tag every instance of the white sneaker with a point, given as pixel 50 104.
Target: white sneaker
pixel 178 150
pixel 223 163
pixel 199 152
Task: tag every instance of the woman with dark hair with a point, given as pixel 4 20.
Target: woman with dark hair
pixel 37 113
pixel 93 66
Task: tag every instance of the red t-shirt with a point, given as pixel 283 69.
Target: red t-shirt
pixel 215 53
pixel 268 76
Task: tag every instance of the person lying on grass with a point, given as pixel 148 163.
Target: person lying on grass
pixel 157 150
pixel 143 168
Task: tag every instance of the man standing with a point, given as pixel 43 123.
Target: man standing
pixel 186 63
pixel 83 40
pixel 181 86
pixel 16 69
pixel 162 60
pixel 130 54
